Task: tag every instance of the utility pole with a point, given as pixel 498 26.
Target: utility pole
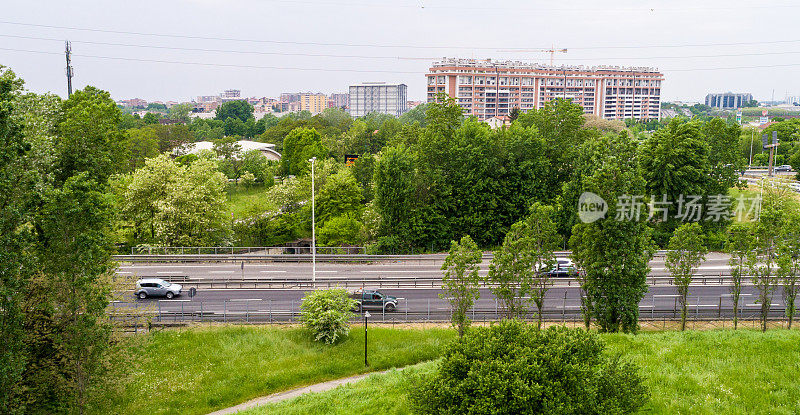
pixel 68 51
pixel 771 147
pixel 313 230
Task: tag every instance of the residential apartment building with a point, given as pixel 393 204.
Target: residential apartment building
pixel 313 103
pixel 231 95
pixel 339 100
pixel 378 97
pixel 486 88
pixel 728 100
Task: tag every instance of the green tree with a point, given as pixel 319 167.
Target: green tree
pixel 170 204
pixel 340 231
pixel 299 146
pixel 443 116
pixel 151 118
pixel 460 281
pixel 228 151
pixel 511 271
pixel 140 145
pixel 788 261
pixel 686 252
pixel 89 139
pixel 739 244
pixel 255 162
pixel 16 191
pixel 180 113
pixel 614 251
pixel 340 195
pixel 544 241
pixel 241 110
pixel 512 368
pixel 326 314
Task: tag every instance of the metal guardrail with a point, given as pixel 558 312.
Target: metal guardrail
pixel 243 250
pixel 256 257
pixel 268 283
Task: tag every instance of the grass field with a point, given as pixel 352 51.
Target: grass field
pixel 708 372
pixel 199 370
pixel 244 202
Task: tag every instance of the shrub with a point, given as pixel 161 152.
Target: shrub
pixel 247 179
pixel 513 368
pixel 326 314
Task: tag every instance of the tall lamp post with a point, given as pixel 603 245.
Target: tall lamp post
pixel 366 316
pixel 313 230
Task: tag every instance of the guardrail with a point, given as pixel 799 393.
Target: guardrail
pixel 336 258
pixel 256 310
pixel 270 283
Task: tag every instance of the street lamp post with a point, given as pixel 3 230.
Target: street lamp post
pixel 366 316
pixel 313 230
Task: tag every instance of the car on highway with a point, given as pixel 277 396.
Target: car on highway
pixel 783 168
pixel 373 299
pixel 564 268
pixel 156 287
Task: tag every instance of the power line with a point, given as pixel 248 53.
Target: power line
pixel 396 46
pixel 426 58
pixel 227 65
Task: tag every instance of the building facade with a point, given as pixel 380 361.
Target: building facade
pixel 486 88
pixel 728 100
pixel 313 103
pixel 378 97
pixel 339 100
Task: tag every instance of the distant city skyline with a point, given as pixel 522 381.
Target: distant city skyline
pixel 177 50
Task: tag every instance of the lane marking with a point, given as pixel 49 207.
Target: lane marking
pixel 275 271
pixel 221 272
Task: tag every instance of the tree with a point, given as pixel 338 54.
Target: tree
pixel 228 151
pixel 512 368
pixel 89 139
pixel 140 145
pixel 170 204
pixel 299 146
pixel 180 113
pixel 686 252
pixel 340 231
pixel 544 241
pixel 340 195
pixel 241 110
pixel 789 264
pixel 777 205
pixel 16 264
pixel 151 118
pixel 460 281
pixel 326 313
pixel 613 251
pixel 511 271
pixel 739 245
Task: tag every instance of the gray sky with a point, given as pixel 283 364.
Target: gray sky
pixel 393 41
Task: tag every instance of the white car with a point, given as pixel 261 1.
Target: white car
pixel 156 287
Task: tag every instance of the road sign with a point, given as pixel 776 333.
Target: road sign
pixel 192 292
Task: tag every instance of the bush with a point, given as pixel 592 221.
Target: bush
pixel 326 313
pixel 247 179
pixel 513 368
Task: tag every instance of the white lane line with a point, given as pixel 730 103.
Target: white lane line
pixel 273 271
pixel 168 266
pixel 221 272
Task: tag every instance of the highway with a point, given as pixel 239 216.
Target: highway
pixel 708 298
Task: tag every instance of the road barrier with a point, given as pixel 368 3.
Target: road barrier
pixel 255 310
pixel 258 256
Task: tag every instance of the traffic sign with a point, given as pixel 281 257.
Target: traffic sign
pixel 192 292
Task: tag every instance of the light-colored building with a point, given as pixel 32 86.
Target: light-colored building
pixel 728 100
pixel 339 100
pixel 487 88
pixel 378 97
pixel 313 103
pixel 245 145
pixel 231 95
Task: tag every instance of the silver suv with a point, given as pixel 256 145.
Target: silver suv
pixel 156 287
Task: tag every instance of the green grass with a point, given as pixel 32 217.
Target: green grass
pixel 244 202
pixel 709 372
pixel 199 370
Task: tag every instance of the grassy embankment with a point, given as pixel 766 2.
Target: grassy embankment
pixel 244 202
pixel 709 372
pixel 199 370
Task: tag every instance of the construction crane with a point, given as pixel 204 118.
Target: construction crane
pixel 552 51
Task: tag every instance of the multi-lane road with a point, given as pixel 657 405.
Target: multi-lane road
pixel 709 298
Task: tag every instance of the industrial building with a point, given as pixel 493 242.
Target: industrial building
pixel 378 97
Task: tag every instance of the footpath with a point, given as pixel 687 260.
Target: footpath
pixel 282 396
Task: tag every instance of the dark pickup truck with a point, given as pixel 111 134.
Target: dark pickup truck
pixel 373 299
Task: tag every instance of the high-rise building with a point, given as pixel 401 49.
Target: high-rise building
pixel 313 103
pixel 339 100
pixel 290 97
pixel 378 97
pixel 231 95
pixel 486 88
pixel 728 100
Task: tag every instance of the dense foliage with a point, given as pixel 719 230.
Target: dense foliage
pixel 513 368
pixel 326 314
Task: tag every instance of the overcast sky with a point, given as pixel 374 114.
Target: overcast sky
pixel 150 49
